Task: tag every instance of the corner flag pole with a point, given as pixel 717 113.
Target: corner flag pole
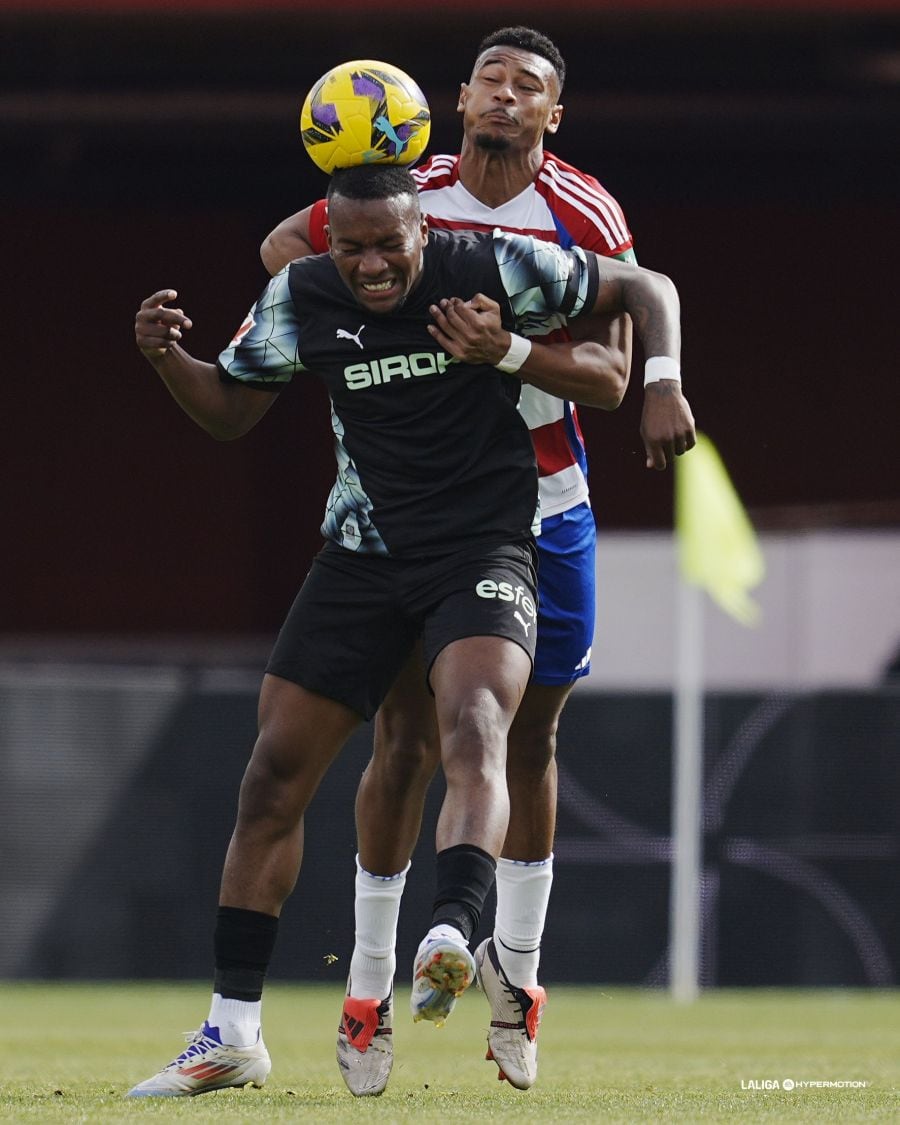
pixel 718 552
pixel 687 798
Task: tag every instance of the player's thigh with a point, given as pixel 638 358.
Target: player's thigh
pixel 479 680
pixel 300 733
pixel 479 634
pixel 345 636
pixel 566 596
pixel 406 724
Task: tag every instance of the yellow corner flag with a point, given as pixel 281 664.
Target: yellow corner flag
pixel 717 545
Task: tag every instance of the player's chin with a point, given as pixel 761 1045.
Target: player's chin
pixel 492 140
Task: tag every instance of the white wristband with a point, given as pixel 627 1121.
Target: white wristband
pixel 519 351
pixel 661 367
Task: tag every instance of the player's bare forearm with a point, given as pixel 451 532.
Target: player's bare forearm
pixel 649 298
pixel 225 411
pixel 288 241
pixel 592 371
pixel 582 371
pixel 200 393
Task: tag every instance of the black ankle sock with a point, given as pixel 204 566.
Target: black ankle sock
pixel 465 874
pixel 243 942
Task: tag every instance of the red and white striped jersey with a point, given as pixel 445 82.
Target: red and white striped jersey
pixel 565 206
pixel 562 205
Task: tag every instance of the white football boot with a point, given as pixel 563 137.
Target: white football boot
pixel 443 970
pixel 207 1064
pixel 515 1018
pixel 365 1044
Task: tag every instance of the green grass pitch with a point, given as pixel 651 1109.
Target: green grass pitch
pixel 69 1053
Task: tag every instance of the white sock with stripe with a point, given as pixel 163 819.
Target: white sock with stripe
pixel 523 894
pixel 377 910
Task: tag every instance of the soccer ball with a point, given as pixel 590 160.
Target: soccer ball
pixel 364 112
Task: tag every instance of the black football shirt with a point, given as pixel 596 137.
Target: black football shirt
pixel 432 454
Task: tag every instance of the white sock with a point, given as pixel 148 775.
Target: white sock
pixel 377 909
pixel 523 893
pixel 444 932
pixel 237 1020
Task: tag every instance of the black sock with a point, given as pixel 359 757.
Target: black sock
pixel 465 874
pixel 243 942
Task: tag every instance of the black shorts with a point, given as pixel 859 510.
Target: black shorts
pixel 357 617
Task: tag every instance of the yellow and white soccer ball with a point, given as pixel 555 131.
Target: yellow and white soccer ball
pixel 365 112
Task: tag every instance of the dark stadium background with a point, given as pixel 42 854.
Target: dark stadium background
pixel 145 145
pixel 150 144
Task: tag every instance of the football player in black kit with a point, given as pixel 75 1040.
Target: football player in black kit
pixel 428 540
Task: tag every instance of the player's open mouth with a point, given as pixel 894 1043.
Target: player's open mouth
pixel 380 292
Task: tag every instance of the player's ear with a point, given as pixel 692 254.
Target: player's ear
pixel 554 119
pixel 423 230
pixel 463 94
pixel 327 229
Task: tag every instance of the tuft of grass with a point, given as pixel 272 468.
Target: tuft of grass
pixel 70 1052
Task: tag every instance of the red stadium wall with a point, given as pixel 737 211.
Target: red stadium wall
pixel 755 160
pixel 517 9
pixel 122 515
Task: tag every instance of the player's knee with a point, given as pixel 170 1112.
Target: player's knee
pixel 475 742
pixel 270 792
pixel 404 765
pixel 405 750
pixel 532 749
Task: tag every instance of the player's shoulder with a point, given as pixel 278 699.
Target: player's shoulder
pixel 438 171
pixel 497 243
pixel 311 274
pixel 459 242
pixel 558 179
pixel 555 170
pixel 589 213
pixel 318 260
pixel 461 258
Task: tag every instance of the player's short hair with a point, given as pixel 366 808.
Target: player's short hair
pixel 373 181
pixel 526 39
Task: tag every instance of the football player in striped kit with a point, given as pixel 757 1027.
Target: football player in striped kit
pixel 502 177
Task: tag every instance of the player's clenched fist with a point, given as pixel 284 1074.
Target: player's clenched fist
pixel 157 328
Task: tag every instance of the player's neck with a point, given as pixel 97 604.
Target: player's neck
pixel 496 177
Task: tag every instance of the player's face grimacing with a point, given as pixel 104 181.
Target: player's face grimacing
pixel 510 100
pixel 377 248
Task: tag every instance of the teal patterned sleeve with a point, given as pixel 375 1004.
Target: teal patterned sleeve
pixel 263 353
pixel 546 285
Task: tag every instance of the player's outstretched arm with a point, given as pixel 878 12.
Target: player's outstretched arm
pixel 592 370
pixel 471 330
pixel 225 411
pixel 651 299
pixel 289 240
